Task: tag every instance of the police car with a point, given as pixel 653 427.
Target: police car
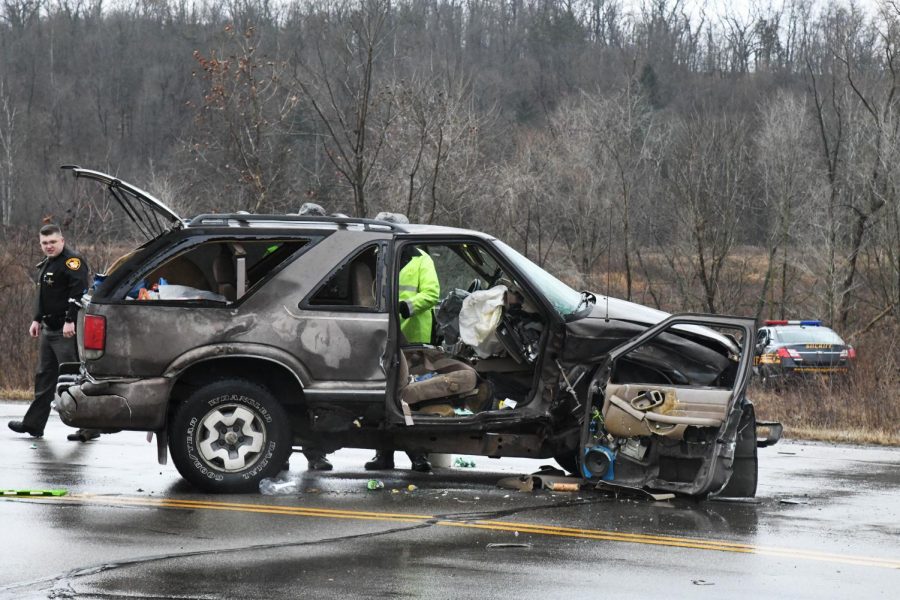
pixel 785 348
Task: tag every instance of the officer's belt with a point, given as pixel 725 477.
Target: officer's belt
pixel 54 321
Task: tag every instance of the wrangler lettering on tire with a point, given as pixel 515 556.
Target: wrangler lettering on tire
pixel 229 435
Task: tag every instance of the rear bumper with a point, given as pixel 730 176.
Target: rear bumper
pixel 114 404
pixel 786 371
pixel 814 370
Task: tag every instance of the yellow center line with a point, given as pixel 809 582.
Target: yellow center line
pixel 488 525
pixel 243 507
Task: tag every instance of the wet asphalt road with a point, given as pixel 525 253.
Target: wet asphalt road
pixel 826 524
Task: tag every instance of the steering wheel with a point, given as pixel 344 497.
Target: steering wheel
pixel 474 286
pixel 496 275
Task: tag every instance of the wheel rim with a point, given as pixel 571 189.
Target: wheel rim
pixel 231 437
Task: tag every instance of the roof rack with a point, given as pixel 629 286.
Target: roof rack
pixel 205 219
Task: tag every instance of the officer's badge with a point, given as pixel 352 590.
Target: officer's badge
pixel 74 263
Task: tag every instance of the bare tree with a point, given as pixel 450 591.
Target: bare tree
pixel 787 180
pixel 708 182
pixel 858 125
pixel 529 190
pixel 626 132
pixel 339 76
pixel 8 149
pixel 431 164
pixel 243 122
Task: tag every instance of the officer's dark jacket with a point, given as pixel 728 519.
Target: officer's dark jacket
pixel 62 278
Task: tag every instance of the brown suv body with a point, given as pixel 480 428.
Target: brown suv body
pixel 236 338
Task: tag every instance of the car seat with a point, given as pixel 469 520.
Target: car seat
pixel 224 274
pixel 362 284
pixel 431 382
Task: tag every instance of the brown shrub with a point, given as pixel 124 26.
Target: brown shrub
pixel 19 253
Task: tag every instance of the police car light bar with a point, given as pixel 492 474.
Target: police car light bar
pixel 801 323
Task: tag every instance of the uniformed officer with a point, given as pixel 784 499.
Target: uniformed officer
pixel 63 279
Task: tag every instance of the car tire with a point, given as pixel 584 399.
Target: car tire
pixel 745 468
pixel 228 436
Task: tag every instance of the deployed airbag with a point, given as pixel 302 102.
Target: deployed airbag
pixel 478 318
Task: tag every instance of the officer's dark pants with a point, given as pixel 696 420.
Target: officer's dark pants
pixel 313 454
pixel 54 349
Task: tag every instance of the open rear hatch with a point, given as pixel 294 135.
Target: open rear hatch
pixel 151 216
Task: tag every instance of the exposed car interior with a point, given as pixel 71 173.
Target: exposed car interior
pixel 672 382
pixel 485 343
pixel 219 272
pixel 353 284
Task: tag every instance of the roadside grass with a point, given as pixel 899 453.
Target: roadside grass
pixel 14 394
pixel 849 436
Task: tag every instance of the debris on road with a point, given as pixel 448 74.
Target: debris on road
pixel 278 487
pixel 33 492
pixel 464 463
pixel 554 480
pixel 541 480
pixel 495 546
pixel 522 483
pixel 374 484
pixel 634 491
pixel 561 486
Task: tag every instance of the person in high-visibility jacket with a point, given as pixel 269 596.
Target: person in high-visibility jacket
pixel 419 290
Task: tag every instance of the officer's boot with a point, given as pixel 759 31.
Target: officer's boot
pixel 381 462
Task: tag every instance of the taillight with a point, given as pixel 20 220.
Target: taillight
pixel 94 335
pixel 850 353
pixel 789 353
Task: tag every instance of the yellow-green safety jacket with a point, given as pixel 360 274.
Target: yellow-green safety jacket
pixel 419 289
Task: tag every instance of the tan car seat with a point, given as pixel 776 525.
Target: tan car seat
pixel 224 274
pixel 454 379
pixel 362 284
pixel 181 271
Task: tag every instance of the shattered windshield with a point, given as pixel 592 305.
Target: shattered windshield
pixel 564 299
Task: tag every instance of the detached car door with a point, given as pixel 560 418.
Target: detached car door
pixel 666 407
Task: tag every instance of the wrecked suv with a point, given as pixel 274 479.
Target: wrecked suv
pixel 236 338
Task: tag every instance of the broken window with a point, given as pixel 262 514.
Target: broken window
pixel 219 272
pixel 352 285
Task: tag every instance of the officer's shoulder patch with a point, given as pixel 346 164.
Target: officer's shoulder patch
pixel 74 263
